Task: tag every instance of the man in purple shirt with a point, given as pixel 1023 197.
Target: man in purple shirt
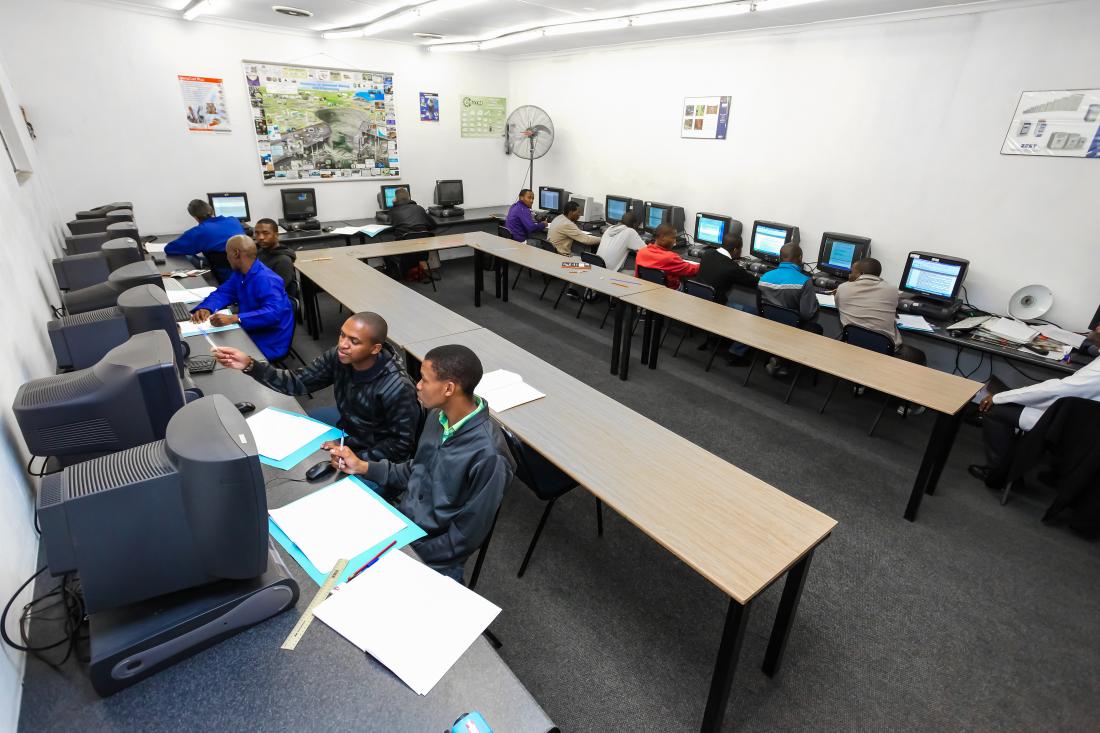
pixel 520 222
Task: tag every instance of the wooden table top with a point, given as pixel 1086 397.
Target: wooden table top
pixel 936 390
pixel 732 528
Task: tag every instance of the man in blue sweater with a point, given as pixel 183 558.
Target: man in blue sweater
pixel 789 287
pixel 520 222
pixel 264 310
pixel 207 237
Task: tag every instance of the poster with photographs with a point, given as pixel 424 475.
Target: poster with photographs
pixel 429 107
pixel 1062 124
pixel 705 118
pixel 321 124
pixel 204 103
pixel 483 116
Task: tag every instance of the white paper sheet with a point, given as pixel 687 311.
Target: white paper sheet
pixel 338 521
pixel 826 300
pixel 155 247
pixel 409 617
pixel 187 328
pixel 346 231
pixel 914 323
pixel 1010 330
pixel 278 434
pixel 372 229
pixel 504 390
pixel 1061 335
pixel 182 295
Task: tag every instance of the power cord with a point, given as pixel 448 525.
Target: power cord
pixel 66 594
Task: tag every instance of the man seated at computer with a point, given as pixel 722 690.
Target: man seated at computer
pixel 264 310
pixel 720 268
pixel 868 301
pixel 408 220
pixel 564 232
pixel 276 257
pixel 789 287
pixel 1006 412
pixel 619 240
pixel 376 402
pixel 454 483
pixel 520 222
pixel 658 255
pixel 208 237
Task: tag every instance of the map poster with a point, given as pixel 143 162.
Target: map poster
pixel 322 124
pixel 429 107
pixel 705 118
pixel 483 116
pixel 204 104
pixel 1061 124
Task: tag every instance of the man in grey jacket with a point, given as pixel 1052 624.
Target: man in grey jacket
pixel 455 482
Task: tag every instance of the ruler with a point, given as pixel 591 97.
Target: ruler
pixel 306 618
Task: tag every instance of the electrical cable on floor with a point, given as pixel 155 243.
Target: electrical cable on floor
pixel 68 595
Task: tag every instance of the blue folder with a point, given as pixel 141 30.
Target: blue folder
pixel 306 450
pixel 409 534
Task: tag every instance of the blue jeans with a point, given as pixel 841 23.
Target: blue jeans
pixel 736 348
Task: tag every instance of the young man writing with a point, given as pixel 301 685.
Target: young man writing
pixel 454 484
pixel 659 256
pixel 563 231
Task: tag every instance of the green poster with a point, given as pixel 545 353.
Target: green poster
pixel 483 116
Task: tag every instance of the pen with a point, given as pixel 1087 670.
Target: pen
pixel 614 280
pixel 341 457
pixel 208 339
pixel 370 562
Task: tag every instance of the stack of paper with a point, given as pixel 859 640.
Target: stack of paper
pixel 826 300
pixel 910 322
pixel 278 433
pixel 1069 338
pixel 339 521
pixel 1014 332
pixel 187 328
pixel 504 390
pixel 369 229
pixel 409 617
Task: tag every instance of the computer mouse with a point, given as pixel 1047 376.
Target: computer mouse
pixel 327 229
pixel 245 407
pixel 319 470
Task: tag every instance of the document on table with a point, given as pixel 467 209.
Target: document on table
pixel 1061 335
pixel 1010 330
pixel 155 247
pixel 187 328
pixel 910 322
pixel 184 295
pixel 826 300
pixel 346 231
pixel 278 434
pixel 504 390
pixel 410 618
pixel 373 229
pixel 340 520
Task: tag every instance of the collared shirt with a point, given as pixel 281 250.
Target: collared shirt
pixel 520 222
pixel 564 231
pixel 871 303
pixel 1036 398
pixel 265 311
pixel 448 431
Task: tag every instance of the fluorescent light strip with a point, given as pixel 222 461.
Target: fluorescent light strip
pixel 509 40
pixel 413 14
pixel 688 14
pixel 202 7
pixel 588 26
pixel 455 48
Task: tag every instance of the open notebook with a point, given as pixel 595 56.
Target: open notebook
pixel 504 390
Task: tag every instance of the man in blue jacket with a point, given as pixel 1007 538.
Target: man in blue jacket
pixel 264 310
pixel 789 287
pixel 207 237
pixel 520 222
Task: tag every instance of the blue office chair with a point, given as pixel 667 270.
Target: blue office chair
pixel 865 338
pixel 786 316
pixel 596 261
pixel 706 292
pixel 549 484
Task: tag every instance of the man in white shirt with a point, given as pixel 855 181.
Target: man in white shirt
pixel 563 231
pixel 1005 412
pixel 618 240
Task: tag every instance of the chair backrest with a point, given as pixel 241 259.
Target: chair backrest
pixel 544 244
pixel 777 313
pixel 653 275
pixel 593 259
pixel 414 234
pixel 699 290
pixel 503 231
pixel 540 475
pixel 865 338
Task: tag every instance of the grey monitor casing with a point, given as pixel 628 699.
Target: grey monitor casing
pixel 102 211
pixel 121 229
pixel 88 226
pixel 104 295
pixel 80 271
pixel 79 244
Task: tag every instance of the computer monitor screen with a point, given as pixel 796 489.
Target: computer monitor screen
pixel 933 276
pixel 656 215
pixel 388 192
pixel 616 208
pixel 580 201
pixel 768 238
pixel 299 203
pixel 550 199
pixel 711 228
pixel 840 251
pixel 230 204
pixel 449 193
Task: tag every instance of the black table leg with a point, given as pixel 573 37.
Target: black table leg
pixel 945 452
pixel 655 339
pixel 309 305
pixel 647 335
pixel 479 276
pixel 784 615
pixel 627 338
pixel 504 278
pixel 935 454
pixel 498 269
pixel 722 680
pixel 617 336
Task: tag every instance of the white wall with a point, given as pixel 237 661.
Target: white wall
pixel 31 236
pixel 889 129
pixel 101 82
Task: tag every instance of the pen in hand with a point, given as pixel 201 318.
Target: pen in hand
pixel 341 457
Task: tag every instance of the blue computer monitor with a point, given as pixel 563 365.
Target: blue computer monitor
pixel 840 251
pixel 230 204
pixel 615 208
pixel 388 192
pixel 768 238
pixel 938 277
pixel 551 199
pixel 655 215
pixel 711 228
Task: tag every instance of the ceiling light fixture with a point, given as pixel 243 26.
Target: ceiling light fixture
pixel 292 12
pixel 513 38
pixel 201 7
pixel 587 26
pixel 411 15
pixel 428 36
pixel 454 48
pixel 689 14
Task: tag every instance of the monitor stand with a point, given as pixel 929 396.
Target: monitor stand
pixel 446 212
pixel 934 309
pixel 827 281
pixel 131 643
pixel 298 225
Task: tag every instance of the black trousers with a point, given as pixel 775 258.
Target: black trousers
pixel 999 427
pixel 905 352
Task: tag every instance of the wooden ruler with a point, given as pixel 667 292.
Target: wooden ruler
pixel 306 618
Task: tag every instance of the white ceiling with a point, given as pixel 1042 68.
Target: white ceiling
pixel 489 18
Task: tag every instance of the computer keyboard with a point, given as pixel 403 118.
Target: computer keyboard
pixel 180 312
pixel 202 364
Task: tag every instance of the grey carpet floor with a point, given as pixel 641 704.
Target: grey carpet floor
pixel 975 618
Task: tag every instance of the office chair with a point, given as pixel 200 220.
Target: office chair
pixel 547 481
pixel 418 234
pixel 872 341
pixel 706 292
pixel 280 362
pixel 786 316
pixel 596 261
pixel 481 552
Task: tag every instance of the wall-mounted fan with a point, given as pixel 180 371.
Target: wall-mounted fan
pixel 530 135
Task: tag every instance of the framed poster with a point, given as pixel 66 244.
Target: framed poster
pixel 483 116
pixel 315 123
pixel 705 118
pixel 1061 124
pixel 204 103
pixel 429 107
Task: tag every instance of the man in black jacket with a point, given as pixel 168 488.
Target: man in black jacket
pixel 375 397
pixel 719 268
pixel 409 220
pixel 454 484
pixel 277 257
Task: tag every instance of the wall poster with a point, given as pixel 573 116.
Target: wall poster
pixel 429 107
pixel 705 118
pixel 322 124
pixel 204 102
pixel 483 116
pixel 1063 124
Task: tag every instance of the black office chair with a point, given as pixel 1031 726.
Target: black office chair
pixel 280 362
pixel 786 316
pixel 481 552
pixel 706 292
pixel 596 261
pixel 652 275
pixel 549 484
pixel 417 234
pixel 880 343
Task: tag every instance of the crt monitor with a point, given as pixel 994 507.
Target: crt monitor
pixel 655 215
pixel 615 208
pixel 230 204
pixel 162 516
pixel 932 276
pixel 448 193
pixel 552 199
pixel 124 400
pixel 299 204
pixel 105 295
pixel 711 228
pixel 840 251
pixel 768 237
pixel 388 192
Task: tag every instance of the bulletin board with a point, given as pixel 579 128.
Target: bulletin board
pixel 315 124
pixel 1061 124
pixel 705 118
